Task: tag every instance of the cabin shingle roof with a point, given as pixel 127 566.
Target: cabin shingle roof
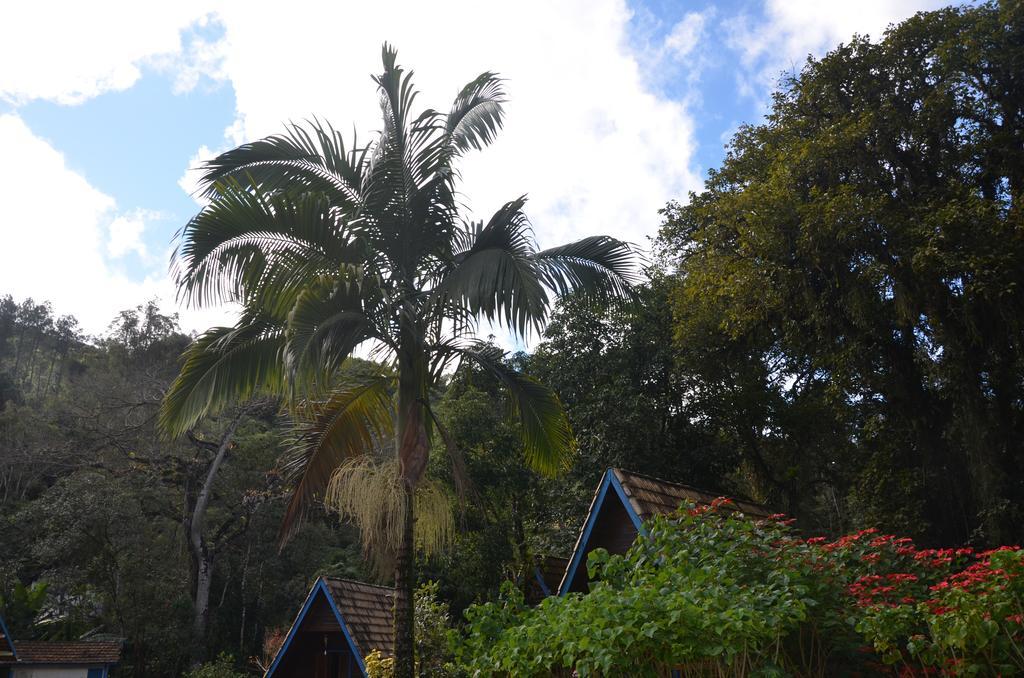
pixel 651 497
pixel 67 652
pixel 366 609
pixel 648 497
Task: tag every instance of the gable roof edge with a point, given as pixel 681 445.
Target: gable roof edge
pixel 320 587
pixel 610 480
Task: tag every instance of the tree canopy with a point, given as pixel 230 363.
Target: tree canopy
pixel 857 260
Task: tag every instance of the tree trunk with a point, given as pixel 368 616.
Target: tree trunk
pixel 405 581
pixel 204 578
pixel 202 553
pixel 413 453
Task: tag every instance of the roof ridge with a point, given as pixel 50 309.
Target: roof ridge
pixel 716 493
pixel 356 581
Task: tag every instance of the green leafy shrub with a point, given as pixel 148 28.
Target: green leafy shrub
pixel 433 624
pixel 222 667
pixel 715 593
pixel 21 606
pixel 705 588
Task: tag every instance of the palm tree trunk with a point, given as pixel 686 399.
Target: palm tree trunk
pixel 405 581
pixel 413 452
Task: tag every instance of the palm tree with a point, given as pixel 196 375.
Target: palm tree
pixel 328 248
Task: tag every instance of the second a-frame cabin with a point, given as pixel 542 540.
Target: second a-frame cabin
pixel 622 502
pixel 341 622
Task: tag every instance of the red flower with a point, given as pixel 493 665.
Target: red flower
pixel 901 577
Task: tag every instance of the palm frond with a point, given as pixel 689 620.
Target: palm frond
pixel 494 274
pixel 600 266
pixel 548 442
pixel 251 245
pixel 351 421
pixel 477 113
pixel 314 158
pixel 223 366
pixel 325 326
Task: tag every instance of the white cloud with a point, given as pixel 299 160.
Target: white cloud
pixel 55 250
pixel 71 51
pixel 686 34
pixel 189 181
pixel 794 29
pixel 202 58
pixel 126 233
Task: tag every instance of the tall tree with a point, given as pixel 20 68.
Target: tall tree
pixel 863 250
pixel 328 248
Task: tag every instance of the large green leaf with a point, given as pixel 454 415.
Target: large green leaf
pixel 599 265
pixel 250 246
pixel 477 113
pixel 314 159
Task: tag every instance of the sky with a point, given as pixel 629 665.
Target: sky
pixel 616 107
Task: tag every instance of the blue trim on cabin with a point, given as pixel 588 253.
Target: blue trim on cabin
pixel 577 556
pixel 341 622
pixel 310 597
pixel 637 523
pixel 8 638
pixel 320 587
pixel 609 480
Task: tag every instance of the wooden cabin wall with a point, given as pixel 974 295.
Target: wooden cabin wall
pixel 613 531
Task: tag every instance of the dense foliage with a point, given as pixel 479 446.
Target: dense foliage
pixel 717 593
pixel 433 623
pixel 93 505
pixel 850 277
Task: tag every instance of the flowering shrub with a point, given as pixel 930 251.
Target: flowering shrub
pixel 716 593
pixel 968 622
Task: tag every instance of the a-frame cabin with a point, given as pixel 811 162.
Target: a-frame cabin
pixel 622 502
pixel 340 623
